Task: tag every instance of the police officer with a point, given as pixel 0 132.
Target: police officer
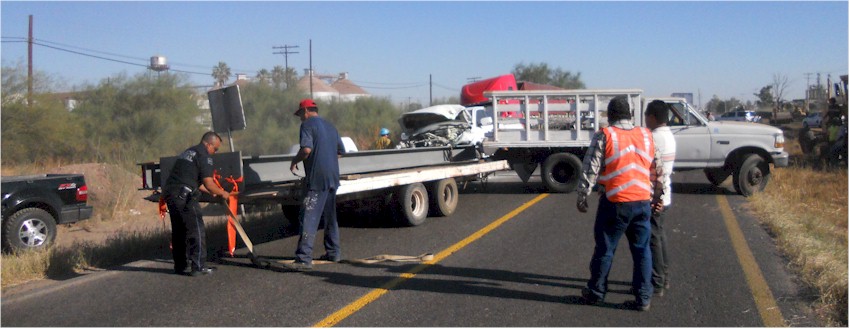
pixel 191 175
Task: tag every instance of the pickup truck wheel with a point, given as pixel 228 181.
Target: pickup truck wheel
pixel 412 204
pixel 444 197
pixel 752 175
pixel 560 172
pixel 29 229
pixel 716 176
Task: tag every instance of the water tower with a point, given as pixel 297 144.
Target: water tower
pixel 158 63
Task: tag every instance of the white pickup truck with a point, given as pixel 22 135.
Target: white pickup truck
pixel 552 130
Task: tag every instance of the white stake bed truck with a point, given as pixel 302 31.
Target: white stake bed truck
pixel 552 130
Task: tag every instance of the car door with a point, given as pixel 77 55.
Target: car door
pixel 693 143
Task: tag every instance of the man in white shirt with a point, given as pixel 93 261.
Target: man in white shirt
pixel 657 114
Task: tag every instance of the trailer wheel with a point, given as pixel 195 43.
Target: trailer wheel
pixel 751 176
pixel 412 204
pixel 29 229
pixel 290 213
pixel 560 172
pixel 444 197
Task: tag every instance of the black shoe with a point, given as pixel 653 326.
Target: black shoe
pixel 637 306
pixel 327 258
pixel 299 267
pixel 588 297
pixel 203 271
pixel 656 292
pixel 182 271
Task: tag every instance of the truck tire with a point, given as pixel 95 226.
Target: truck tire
pixel 752 175
pixel 444 197
pixel 29 229
pixel 560 172
pixel 411 204
pixel 290 213
pixel 716 176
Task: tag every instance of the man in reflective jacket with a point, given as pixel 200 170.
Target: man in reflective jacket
pixel 620 158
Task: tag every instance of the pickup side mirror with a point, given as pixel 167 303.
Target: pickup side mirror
pixel 485 121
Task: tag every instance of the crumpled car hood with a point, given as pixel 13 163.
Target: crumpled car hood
pixel 438 125
pixel 412 122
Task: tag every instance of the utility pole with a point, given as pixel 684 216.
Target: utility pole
pixel 311 68
pixel 29 66
pixel 285 54
pixel 430 91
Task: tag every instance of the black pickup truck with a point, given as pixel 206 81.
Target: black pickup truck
pixel 33 205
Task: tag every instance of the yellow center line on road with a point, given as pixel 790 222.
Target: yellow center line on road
pixel 765 303
pixel 373 295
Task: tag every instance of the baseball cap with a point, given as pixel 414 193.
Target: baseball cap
pixel 305 104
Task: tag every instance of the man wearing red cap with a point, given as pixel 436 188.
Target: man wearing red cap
pixel 320 150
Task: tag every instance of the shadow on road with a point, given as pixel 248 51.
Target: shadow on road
pixel 469 281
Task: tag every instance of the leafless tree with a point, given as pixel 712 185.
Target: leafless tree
pixel 779 86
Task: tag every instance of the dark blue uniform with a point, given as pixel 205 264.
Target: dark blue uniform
pixel 322 180
pixel 181 193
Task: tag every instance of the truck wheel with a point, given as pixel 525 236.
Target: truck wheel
pixel 444 197
pixel 291 214
pixel 29 229
pixel 412 204
pixel 716 176
pixel 752 175
pixel 560 172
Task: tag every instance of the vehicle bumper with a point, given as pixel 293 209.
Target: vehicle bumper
pixel 74 214
pixel 780 159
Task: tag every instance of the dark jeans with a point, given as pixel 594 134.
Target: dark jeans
pixel 317 205
pixel 658 246
pixel 188 237
pixel 612 221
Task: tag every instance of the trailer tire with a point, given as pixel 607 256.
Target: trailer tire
pixel 411 204
pixel 560 172
pixel 752 175
pixel 444 197
pixel 29 229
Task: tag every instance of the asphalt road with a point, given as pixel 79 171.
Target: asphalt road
pixel 510 256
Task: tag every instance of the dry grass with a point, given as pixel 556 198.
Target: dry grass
pixel 64 262
pixel 806 211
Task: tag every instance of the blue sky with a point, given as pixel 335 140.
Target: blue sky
pixel 728 49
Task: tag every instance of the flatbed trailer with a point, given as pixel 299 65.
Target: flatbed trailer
pixel 419 181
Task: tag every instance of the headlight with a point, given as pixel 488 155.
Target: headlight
pixel 779 141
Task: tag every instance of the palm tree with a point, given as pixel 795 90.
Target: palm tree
pixel 221 73
pixel 264 76
pixel 278 76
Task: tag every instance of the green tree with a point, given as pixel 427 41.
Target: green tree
pixel 765 97
pixel 542 73
pixel 42 133
pixel 221 73
pixel 278 76
pixel 264 76
pixel 129 120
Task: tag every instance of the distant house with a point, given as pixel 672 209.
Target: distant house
pixel 348 91
pixel 331 87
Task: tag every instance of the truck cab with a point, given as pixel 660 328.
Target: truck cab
pixel 724 148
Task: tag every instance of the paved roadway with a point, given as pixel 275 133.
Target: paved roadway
pixel 510 256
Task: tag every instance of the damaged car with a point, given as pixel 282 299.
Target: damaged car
pixel 439 125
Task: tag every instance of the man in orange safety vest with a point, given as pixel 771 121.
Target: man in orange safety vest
pixel 620 158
